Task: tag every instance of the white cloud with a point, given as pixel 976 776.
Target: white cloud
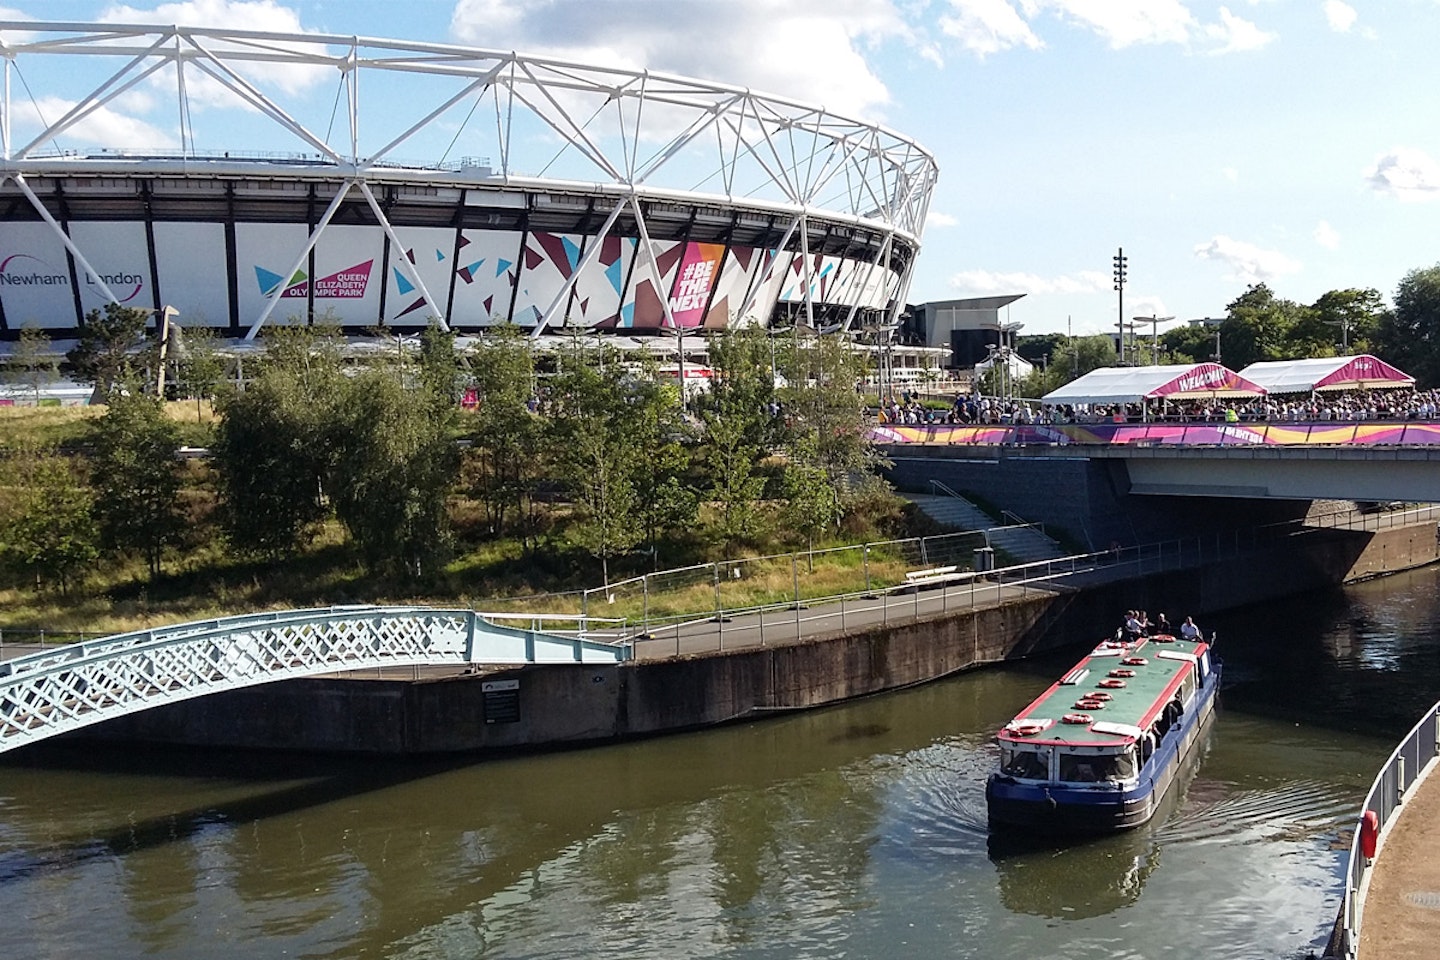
pixel 808 50
pixel 987 26
pixel 1231 174
pixel 1250 264
pixel 235 14
pixel 1236 34
pixel 937 219
pixel 1327 236
pixel 1408 175
pixel 982 282
pixel 1125 23
pixel 104 126
pixel 1340 16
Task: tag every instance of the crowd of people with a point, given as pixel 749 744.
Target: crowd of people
pixel 1349 406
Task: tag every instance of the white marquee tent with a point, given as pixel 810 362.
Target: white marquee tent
pixel 1189 381
pixel 1326 373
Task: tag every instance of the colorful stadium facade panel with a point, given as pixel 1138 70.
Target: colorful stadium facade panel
pixel 272 189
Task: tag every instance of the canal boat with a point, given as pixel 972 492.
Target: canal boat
pixel 1099 749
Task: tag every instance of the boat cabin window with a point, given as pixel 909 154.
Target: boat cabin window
pixel 1097 767
pixel 1029 764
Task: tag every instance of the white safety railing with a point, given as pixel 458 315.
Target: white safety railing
pixel 1405 768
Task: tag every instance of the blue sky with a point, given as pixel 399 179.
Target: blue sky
pixel 1291 142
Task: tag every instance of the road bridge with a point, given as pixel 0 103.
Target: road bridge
pixel 50 692
pixel 1379 461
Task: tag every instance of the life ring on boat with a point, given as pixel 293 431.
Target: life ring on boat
pixel 1087 704
pixel 1112 684
pixel 1135 662
pixel 1027 729
pixel 1098 695
pixel 1077 718
pixel 1163 638
pixel 1125 674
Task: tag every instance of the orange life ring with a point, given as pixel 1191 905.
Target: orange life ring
pixel 1163 638
pixel 1135 662
pixel 1121 673
pixel 1112 684
pixel 1027 729
pixel 1077 718
pixel 1088 704
pixel 1098 695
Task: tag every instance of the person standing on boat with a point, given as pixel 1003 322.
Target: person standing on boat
pixel 1188 630
pixel 1161 626
pixel 1133 626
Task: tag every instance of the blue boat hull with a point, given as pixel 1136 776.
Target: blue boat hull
pixel 1078 809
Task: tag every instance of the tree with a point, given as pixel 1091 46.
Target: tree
pixel 202 368
pixel 49 532
pixel 506 435
pixel 664 502
pixel 136 476
pixel 812 500
pixel 32 365
pixel 824 410
pixel 1343 322
pixel 112 349
pixel 396 461
pixel 738 427
pixel 1261 326
pixel 1071 357
pixel 591 427
pixel 274 445
pixel 1409 336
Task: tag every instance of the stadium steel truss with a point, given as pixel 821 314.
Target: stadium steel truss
pixel 56 691
pixel 558 194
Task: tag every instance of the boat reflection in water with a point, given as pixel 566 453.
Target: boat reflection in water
pixel 1088 877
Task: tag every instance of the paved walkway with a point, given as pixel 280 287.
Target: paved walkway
pixel 1402 908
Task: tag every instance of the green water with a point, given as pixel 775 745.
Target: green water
pixel 853 832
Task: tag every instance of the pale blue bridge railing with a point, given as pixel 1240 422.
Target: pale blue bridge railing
pixel 55 691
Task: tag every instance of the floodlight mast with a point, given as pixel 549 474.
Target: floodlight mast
pixel 1119 260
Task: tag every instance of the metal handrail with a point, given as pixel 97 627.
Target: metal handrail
pixel 1415 754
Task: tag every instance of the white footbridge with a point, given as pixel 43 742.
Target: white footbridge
pixel 55 691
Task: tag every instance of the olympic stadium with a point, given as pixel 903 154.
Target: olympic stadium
pixel 277 190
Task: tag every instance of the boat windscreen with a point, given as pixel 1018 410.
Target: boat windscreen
pixel 1029 764
pixel 1097 768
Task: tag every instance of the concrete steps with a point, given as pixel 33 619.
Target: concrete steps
pixel 1021 544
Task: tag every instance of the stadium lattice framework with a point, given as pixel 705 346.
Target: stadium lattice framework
pixel 558 194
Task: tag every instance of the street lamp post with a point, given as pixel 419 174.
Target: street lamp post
pixel 1344 323
pixel 1155 322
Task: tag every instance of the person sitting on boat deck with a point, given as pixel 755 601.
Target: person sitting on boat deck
pixel 1161 626
pixel 1188 630
pixel 1133 627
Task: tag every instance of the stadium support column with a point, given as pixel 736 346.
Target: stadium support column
pixel 590 256
pixel 395 239
pixel 309 245
pixel 64 237
pixel 662 294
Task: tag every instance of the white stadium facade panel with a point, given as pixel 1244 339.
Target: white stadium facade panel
pixel 606 199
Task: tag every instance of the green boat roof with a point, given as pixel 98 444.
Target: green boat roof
pixel 1152 669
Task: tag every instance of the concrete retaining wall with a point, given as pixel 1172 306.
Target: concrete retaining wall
pixel 573 705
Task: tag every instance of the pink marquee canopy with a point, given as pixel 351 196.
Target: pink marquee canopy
pixel 1168 382
pixel 1327 373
